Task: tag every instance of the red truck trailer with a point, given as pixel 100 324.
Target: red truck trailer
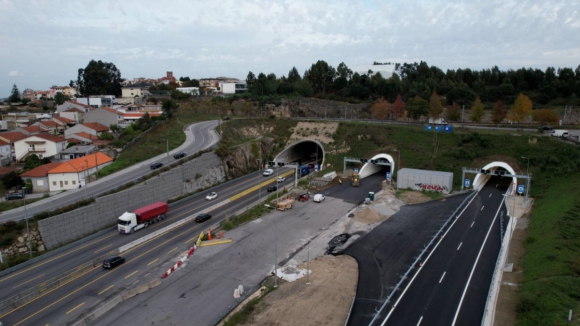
pixel 142 217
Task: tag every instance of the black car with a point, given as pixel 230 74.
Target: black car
pixel 14 195
pixel 272 188
pixel 202 217
pixel 226 118
pixel 113 261
pixel 179 155
pixel 156 165
pixel 545 128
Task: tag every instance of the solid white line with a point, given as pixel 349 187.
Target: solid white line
pixel 476 260
pixel 442 277
pixel 472 224
pixel 482 208
pixel 420 319
pixel 426 259
pixel 489 196
pixel 459 246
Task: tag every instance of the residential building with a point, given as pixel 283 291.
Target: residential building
pixel 215 82
pixel 55 90
pixel 42 95
pixel 233 88
pixel 50 126
pixel 168 78
pixel 76 151
pixel 11 138
pixel 134 116
pixel 91 128
pixel 97 101
pixel 5 153
pixel 72 174
pixel 29 94
pixel 39 176
pixel 105 116
pixel 17 119
pixel 193 91
pixel 43 145
pixel 131 91
pixel 31 130
pixel 74 114
pixel 63 121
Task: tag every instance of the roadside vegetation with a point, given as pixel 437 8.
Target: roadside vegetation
pixel 242 316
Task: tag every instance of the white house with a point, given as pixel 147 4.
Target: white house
pixel 91 128
pixel 189 90
pixel 233 88
pixel 5 153
pixel 39 176
pixel 43 145
pixel 74 173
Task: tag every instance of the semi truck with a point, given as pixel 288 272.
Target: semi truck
pixel 304 170
pixel 140 218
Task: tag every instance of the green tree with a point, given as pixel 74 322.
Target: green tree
pixel 293 75
pixel 435 107
pixel 498 113
pixel 453 113
pixel 31 161
pixel 12 180
pixel 522 108
pixel 320 75
pixel 343 71
pixel 116 131
pixel 14 95
pixel 24 100
pixel 99 78
pixel 169 107
pixel 417 107
pixel 477 112
pixel 60 98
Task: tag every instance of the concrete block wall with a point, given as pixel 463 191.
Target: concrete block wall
pixel 202 172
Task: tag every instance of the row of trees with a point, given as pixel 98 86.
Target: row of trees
pixel 461 86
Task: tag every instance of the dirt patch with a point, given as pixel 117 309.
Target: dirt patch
pixel 414 197
pixel 367 216
pixel 505 313
pixel 297 303
pixel 322 132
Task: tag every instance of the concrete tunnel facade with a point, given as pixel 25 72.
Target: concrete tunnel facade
pixel 482 178
pixel 302 152
pixel 370 168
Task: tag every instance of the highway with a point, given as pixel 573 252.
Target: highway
pixel 71 300
pixel 199 136
pixel 452 285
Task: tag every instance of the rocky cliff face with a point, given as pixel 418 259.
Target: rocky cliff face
pixel 244 158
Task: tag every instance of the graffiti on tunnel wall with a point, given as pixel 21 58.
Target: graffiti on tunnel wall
pixel 431 187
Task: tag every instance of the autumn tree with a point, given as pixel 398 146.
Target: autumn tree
pixel 453 113
pixel 477 112
pixel 417 107
pixel 435 107
pixel 545 116
pixel 398 108
pixel 522 108
pixel 380 109
pixel 498 113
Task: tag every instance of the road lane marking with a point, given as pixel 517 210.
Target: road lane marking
pixel 489 196
pixel 420 320
pixel 476 260
pixel 472 224
pixel 441 279
pixel 32 279
pixel 68 312
pixel 459 246
pixel 105 290
pixel 172 250
pixel 135 272
pixel 482 208
pixel 153 262
pixel 426 259
pixel 94 252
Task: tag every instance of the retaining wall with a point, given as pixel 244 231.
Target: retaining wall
pixel 199 173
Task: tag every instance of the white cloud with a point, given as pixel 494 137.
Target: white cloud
pixel 15 73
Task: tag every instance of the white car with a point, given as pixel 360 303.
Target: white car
pixel 318 198
pixel 280 179
pixel 268 172
pixel 211 195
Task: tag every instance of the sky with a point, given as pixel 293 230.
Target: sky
pixel 45 42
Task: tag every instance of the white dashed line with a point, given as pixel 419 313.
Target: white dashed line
pixel 442 277
pixel 460 245
pixel 420 319
pixel 472 224
pixel 482 208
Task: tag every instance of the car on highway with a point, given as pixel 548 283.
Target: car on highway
pixel 272 188
pixel 179 155
pixel 280 179
pixel 14 195
pixel 545 128
pixel 318 198
pixel 226 118
pixel 211 196
pixel 113 261
pixel 202 217
pixel 268 172
pixel 156 165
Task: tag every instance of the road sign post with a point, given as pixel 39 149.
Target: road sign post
pixel 467 183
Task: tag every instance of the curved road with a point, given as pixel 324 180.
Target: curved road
pixel 199 136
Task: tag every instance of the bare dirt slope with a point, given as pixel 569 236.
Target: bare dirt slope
pixel 325 301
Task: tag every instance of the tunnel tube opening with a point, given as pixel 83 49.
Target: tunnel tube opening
pixel 481 178
pixel 306 152
pixel 370 168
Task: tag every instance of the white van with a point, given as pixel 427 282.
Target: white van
pixel 560 133
pixel 268 172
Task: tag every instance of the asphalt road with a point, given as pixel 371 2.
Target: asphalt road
pixel 54 307
pixel 199 136
pixel 451 287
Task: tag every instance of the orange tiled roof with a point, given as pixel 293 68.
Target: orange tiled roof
pixel 95 126
pixel 86 135
pixel 109 109
pixel 13 135
pixel 49 137
pixel 3 143
pixel 74 110
pixel 65 120
pixel 134 115
pixel 81 163
pixel 49 123
pixel 32 129
pixel 41 171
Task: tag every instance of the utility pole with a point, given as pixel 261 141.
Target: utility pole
pixel 462 113
pixel 97 163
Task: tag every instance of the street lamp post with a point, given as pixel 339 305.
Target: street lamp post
pixel 398 166
pixel 528 167
pixel 167 148
pixel 86 175
pixel 259 188
pixel 26 218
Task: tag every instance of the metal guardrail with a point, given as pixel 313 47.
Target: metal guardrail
pixel 419 258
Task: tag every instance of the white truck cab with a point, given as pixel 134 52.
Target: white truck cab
pixel 128 223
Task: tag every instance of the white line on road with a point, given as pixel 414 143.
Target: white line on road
pixel 496 185
pixel 420 319
pixel 476 260
pixel 459 246
pixel 442 277
pixel 482 208
pixel 489 196
pixel 472 224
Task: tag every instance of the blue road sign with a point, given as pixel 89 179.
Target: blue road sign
pixel 389 176
pixel 467 183
pixel 428 127
pixel 316 167
pixel 520 189
pixel 448 128
pixel 438 128
pixel 355 170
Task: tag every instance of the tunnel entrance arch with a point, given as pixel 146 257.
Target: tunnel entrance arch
pixel 370 168
pixel 307 151
pixel 481 178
